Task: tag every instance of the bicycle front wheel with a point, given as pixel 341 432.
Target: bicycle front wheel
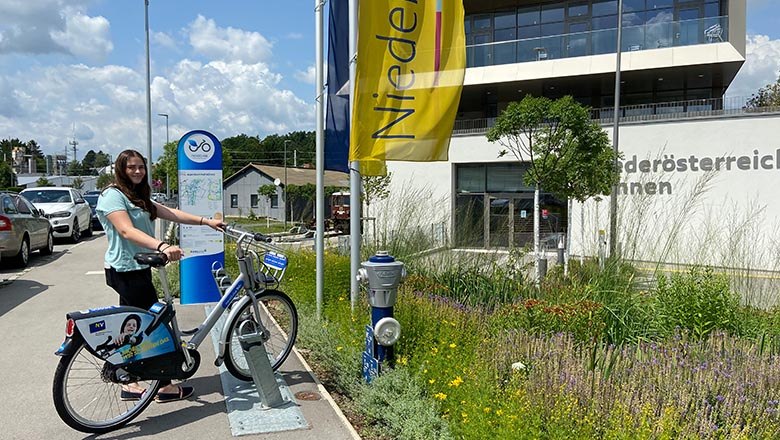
pixel 278 317
pixel 88 400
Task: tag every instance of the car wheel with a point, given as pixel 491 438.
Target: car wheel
pixel 89 231
pixel 75 235
pixel 23 257
pixel 49 248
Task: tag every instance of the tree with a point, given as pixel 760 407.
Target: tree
pixel 767 96
pixel 375 188
pixel 268 191
pixel 168 165
pixel 6 175
pixel 104 180
pixel 43 181
pixel 568 154
pixel 77 183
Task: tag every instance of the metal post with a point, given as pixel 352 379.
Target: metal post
pixel 319 238
pixel 167 140
pixel 354 167
pixel 287 141
pixel 148 99
pixel 615 131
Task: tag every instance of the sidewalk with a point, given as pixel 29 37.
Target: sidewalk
pixel 32 319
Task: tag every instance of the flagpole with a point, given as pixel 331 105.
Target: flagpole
pixel 319 238
pixel 354 167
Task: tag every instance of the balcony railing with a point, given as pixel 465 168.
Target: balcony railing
pixel 664 111
pixel 635 38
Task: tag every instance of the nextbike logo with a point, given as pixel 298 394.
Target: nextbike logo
pixel 198 148
pixel 97 326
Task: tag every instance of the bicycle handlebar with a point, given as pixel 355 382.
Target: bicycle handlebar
pixel 256 236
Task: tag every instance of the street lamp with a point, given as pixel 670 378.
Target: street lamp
pixel 286 141
pixel 167 140
pixel 148 98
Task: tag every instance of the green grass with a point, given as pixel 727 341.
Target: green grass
pixel 599 358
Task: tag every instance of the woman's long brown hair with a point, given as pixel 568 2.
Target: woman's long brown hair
pixel 139 195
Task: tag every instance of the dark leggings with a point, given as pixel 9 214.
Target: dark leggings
pixel 135 288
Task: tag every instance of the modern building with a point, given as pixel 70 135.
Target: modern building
pixel 678 59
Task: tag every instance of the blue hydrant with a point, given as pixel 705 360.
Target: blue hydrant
pixel 382 274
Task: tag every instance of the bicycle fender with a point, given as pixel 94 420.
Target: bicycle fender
pixel 69 346
pixel 238 305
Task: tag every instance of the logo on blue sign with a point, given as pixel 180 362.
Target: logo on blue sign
pixel 98 326
pixel 275 261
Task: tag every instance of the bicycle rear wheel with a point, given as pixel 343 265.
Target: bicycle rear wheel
pixel 278 316
pixel 88 400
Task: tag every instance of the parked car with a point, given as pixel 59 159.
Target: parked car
pixel 23 229
pixel 159 197
pixel 92 202
pixel 65 208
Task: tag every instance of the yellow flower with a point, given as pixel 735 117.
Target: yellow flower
pixel 440 396
pixel 434 350
pixel 339 348
pixel 431 381
pixel 499 412
pixel 486 409
pixel 403 360
pixel 341 298
pixel 425 371
pixel 453 345
pixel 456 382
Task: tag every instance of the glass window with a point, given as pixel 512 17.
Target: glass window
pixel 503 20
pixel 551 13
pixel 23 205
pixel 253 200
pixel 529 16
pixel 658 4
pixel 552 29
pixel 8 206
pixel 528 32
pixel 470 220
pixel 608 22
pixel 481 23
pixel 633 5
pixel 578 10
pixel 504 52
pixel 604 7
pixel 274 201
pixel 505 178
pixel 471 178
pixel 604 41
pixel 234 200
pixel 633 19
pixel 504 35
pixel 712 10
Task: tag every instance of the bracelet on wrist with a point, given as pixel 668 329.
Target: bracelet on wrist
pixel 201 222
pixel 160 245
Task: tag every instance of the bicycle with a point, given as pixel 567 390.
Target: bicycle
pixel 88 380
pixel 194 146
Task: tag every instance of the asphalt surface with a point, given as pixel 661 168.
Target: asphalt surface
pixel 33 304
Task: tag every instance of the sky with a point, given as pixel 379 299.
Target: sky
pixel 78 68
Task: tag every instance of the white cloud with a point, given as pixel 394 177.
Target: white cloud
pixel 164 40
pixel 762 66
pixel 305 77
pixel 52 26
pixel 229 43
pixel 84 36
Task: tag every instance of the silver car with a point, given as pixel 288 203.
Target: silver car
pixel 67 210
pixel 23 229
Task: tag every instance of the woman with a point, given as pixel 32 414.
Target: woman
pixel 126 212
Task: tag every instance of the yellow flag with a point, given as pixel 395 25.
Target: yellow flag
pixel 410 67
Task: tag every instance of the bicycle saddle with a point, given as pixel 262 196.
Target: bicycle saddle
pixel 154 259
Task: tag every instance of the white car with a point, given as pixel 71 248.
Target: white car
pixel 67 211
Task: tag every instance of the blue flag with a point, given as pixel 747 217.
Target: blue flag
pixel 337 116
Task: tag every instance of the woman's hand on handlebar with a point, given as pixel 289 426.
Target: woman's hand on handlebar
pixel 215 224
pixel 173 252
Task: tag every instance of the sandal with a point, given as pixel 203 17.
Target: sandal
pixel 184 392
pixel 129 396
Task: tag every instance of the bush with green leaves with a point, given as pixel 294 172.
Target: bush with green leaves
pixel 699 301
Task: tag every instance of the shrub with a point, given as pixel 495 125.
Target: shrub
pixel 699 301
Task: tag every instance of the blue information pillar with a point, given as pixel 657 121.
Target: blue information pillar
pixel 200 193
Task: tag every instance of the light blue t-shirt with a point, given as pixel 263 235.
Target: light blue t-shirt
pixel 120 251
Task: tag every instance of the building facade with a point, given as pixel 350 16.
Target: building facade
pixel 678 59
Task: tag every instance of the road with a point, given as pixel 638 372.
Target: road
pixel 33 304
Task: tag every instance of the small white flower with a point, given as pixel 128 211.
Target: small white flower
pixel 518 366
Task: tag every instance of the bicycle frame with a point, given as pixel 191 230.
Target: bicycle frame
pixel 245 280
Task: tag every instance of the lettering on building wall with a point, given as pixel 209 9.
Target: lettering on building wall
pixel 670 163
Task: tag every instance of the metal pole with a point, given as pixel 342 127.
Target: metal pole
pixel 615 132
pixel 354 167
pixel 148 100
pixel 319 238
pixel 285 182
pixel 167 140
